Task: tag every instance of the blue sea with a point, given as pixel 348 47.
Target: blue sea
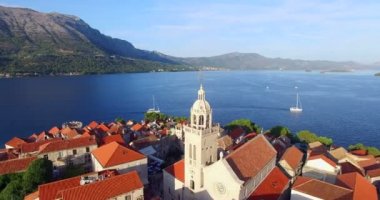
pixel 343 106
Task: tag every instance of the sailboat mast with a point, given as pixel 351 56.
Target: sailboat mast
pixel 297 100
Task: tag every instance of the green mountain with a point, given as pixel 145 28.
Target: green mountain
pixel 31 41
pixel 247 61
pixel 52 43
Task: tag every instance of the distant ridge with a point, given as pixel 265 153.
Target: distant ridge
pixel 54 43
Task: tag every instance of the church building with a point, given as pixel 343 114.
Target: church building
pixel 203 174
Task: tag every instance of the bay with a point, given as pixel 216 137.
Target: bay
pixel 344 106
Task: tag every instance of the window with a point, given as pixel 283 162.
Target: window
pixel 194 153
pixel 87 149
pixel 128 197
pixel 74 152
pixel 190 150
pixel 46 156
pixel 201 120
pixel 192 184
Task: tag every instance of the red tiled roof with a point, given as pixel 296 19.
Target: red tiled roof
pixel 348 167
pixel 301 179
pixel 34 146
pixel 293 156
pixel 33 137
pixel 113 138
pixel 359 152
pixel 42 136
pixel 49 191
pixel 116 129
pixel 115 154
pixel 324 158
pixel 103 128
pixel 272 187
pixel 54 131
pixel 373 173
pixel 321 189
pixel 86 134
pixel 368 164
pixel 105 189
pixel 32 196
pixel 236 132
pixel 6 154
pixel 93 125
pixel 15 142
pixel 248 160
pixel 15 165
pixel 362 188
pixel 69 133
pixel 177 170
pixel 136 127
pixel 250 136
pixel 67 144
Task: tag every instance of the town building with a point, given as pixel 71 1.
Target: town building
pixel 69 152
pixel 95 186
pixel 121 158
pixel 15 165
pixel 198 175
pixel 291 162
pixel 321 167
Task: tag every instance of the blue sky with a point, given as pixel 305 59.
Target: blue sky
pixel 328 30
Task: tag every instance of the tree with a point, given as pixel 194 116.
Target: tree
pixel 12 191
pixel 120 120
pixel 247 124
pixel 371 150
pixel 40 171
pixel 278 131
pixel 325 140
pixel 307 136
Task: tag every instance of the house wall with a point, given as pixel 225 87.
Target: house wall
pixel 319 169
pixel 135 195
pixel 296 195
pixel 61 158
pixel 141 166
pixel 287 168
pixel 172 187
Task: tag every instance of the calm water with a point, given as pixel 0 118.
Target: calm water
pixel 342 106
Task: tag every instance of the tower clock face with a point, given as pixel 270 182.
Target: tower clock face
pixel 220 188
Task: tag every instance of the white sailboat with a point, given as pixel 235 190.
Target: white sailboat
pixel 298 107
pixel 154 109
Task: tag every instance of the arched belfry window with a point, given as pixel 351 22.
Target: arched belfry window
pixel 201 120
pixel 194 119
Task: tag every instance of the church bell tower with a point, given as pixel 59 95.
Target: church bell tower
pixel 200 142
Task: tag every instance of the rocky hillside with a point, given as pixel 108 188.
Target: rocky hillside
pixel 31 41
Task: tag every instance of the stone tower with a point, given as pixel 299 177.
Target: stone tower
pixel 200 143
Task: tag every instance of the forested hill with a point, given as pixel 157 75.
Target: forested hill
pixel 31 41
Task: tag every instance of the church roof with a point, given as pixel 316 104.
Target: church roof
pixel 272 187
pixel 248 160
pixel 177 170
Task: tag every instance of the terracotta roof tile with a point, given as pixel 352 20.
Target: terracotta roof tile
pixel 69 133
pixel 368 164
pixel 373 173
pixel 86 134
pixel 115 129
pixel 113 138
pixel 236 132
pixel 33 137
pixel 362 188
pixel 6 154
pixel 15 142
pixel 42 136
pixel 103 128
pixel 272 187
pixel 67 144
pixel 49 191
pixel 32 196
pixel 250 158
pixel 338 153
pixel 54 131
pixel 15 165
pixel 105 189
pixel 115 154
pixel 177 170
pixel 348 167
pixel 324 158
pixel 93 125
pixel 359 152
pixel 325 190
pixel 293 156
pixel 136 127
pixel 34 146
